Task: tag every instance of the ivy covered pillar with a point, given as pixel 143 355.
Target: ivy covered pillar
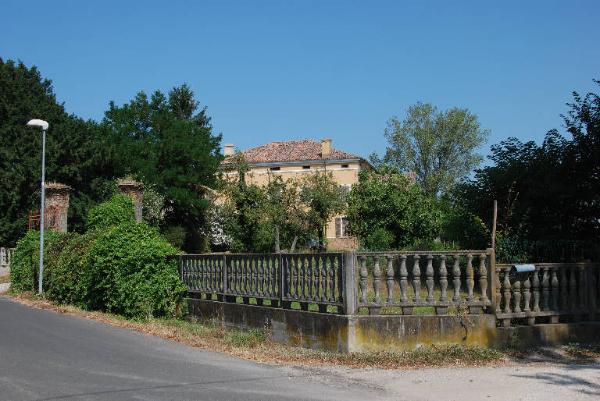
pixel 57 206
pixel 134 190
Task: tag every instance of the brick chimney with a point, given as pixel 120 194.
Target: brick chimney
pixel 134 190
pixel 57 206
pixel 325 147
pixel 228 149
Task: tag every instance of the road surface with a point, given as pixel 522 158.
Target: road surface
pixel 48 356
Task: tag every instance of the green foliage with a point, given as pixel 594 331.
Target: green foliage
pixel 546 193
pixel 117 210
pixel 76 152
pixel 25 264
pixel 387 211
pixel 130 273
pixel 439 147
pixel 175 235
pixel 68 280
pixel 168 144
pixel 323 199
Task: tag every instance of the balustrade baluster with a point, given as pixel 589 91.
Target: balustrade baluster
pixel 377 280
pixel 429 278
pixel 483 281
pixel 456 278
pixel 443 279
pixel 363 280
pixel 403 279
pixel 305 261
pixel 527 295
pixel 536 290
pixel 582 290
pixel 516 290
pixel 506 290
pixel 331 275
pixel 390 280
pixel 545 289
pixel 564 289
pixel 297 266
pixel 555 291
pixel 573 288
pixel 470 277
pixel 261 276
pixel 417 280
pixel 326 264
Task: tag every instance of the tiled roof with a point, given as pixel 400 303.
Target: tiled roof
pixel 290 151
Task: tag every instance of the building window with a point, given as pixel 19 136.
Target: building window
pixel 345 166
pixel 345 189
pixel 341 227
pixel 306 167
pixel 275 168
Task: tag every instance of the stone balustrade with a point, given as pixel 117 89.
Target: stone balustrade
pixel 425 282
pixel 5 258
pixel 552 293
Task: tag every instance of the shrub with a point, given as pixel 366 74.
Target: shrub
pixel 68 280
pixel 117 210
pixel 130 273
pixel 25 264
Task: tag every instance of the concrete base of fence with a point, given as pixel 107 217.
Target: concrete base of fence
pixel 386 332
pixel 350 333
pixel 548 334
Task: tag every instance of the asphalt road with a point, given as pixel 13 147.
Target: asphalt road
pixel 48 356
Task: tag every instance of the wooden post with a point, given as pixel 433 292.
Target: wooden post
pixel 492 280
pixel 494 225
pixel 350 290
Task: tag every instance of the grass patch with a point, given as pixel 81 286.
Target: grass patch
pixel 577 350
pixel 258 346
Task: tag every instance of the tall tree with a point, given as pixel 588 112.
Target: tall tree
pixel 323 199
pixel 438 147
pixel 76 153
pixel 168 142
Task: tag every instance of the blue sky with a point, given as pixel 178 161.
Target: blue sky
pixel 277 70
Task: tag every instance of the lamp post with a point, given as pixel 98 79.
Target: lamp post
pixel 44 126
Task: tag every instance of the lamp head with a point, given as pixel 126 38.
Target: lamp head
pixel 38 123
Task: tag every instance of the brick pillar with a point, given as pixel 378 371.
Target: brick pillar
pixel 57 206
pixel 134 190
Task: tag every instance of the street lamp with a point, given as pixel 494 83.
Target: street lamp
pixel 44 126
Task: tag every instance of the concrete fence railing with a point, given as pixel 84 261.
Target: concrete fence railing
pixel 552 292
pixel 398 283
pixel 5 257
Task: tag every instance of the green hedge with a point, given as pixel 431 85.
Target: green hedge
pixel 25 264
pixel 117 210
pixel 118 266
pixel 130 272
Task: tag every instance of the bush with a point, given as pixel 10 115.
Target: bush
pixel 130 273
pixel 25 264
pixel 68 279
pixel 117 210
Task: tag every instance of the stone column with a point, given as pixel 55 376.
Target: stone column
pixel 57 206
pixel 134 190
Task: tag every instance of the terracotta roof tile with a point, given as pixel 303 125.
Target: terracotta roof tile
pixel 289 151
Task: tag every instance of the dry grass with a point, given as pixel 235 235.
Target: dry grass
pixel 256 344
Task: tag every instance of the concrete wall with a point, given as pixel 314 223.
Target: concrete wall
pixel 386 332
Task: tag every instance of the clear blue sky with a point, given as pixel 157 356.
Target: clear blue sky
pixel 276 70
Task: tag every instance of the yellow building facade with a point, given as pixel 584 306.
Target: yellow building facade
pixel 296 159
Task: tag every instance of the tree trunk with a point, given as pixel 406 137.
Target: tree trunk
pixel 277 244
pixel 293 247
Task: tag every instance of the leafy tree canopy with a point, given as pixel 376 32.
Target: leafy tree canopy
pixel 76 154
pixel 167 142
pixel 439 147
